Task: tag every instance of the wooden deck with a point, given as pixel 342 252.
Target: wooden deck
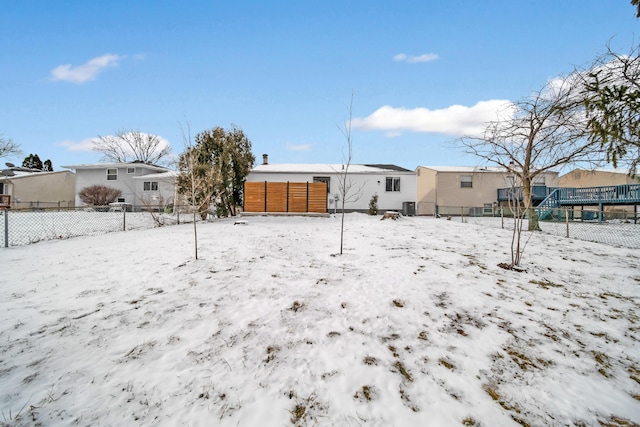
pixel 628 194
pixel 548 199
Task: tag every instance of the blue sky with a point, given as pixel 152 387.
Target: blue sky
pixel 285 71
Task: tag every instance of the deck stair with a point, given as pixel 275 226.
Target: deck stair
pixel 546 207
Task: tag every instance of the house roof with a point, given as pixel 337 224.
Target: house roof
pixel 471 169
pixel 614 171
pixel 163 175
pixel 17 174
pixel 467 169
pixel 117 165
pixel 325 168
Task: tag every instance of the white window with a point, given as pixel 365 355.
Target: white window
pixel 392 183
pixel 539 180
pixel 131 170
pixel 150 186
pixel 112 174
pixel 466 181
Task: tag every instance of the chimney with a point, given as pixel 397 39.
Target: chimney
pixel 265 159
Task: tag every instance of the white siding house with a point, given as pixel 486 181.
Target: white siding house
pixel 142 185
pixel 393 185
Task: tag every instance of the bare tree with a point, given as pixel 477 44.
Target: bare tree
pixel 516 208
pixel 8 147
pixel 130 146
pixel 347 191
pixel 196 181
pixel 540 133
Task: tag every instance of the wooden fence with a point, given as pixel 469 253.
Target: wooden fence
pixel 296 197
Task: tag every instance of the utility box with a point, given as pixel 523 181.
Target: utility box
pixel 409 208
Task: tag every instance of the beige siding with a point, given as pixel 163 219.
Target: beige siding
pixel 43 189
pixel 580 178
pixel 443 189
pixel 426 191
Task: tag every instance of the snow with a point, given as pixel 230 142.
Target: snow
pixel 321 168
pixel 415 324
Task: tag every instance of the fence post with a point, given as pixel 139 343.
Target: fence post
pixel 501 217
pixel 6 227
pixel 566 220
pixel 461 213
pixel 124 219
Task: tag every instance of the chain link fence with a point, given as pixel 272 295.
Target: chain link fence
pixel 612 227
pixel 32 226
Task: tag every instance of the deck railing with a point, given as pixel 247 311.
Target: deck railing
pixel 538 192
pixel 608 194
pixel 617 194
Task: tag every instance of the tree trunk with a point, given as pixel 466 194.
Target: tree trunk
pixel 532 214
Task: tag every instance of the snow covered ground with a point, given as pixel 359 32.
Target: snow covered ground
pixel 415 325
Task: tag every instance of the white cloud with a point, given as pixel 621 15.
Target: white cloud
pixel 456 120
pixel 299 147
pixel 425 57
pixel 84 145
pixel 85 72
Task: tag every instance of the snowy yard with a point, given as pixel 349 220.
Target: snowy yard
pixel 415 325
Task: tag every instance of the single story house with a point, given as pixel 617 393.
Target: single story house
pixel 143 185
pixel 394 186
pixel 466 190
pixel 34 189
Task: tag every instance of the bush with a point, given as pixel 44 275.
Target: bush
pixel 373 205
pixel 99 195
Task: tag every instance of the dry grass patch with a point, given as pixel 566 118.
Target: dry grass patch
pixel 366 393
pixel 603 362
pixel 296 306
pixel 545 284
pixel 614 421
pixel 634 374
pixel 403 371
pixel 272 351
pixel 398 303
pixel 447 364
pixel 370 360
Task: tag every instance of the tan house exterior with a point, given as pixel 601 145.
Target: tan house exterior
pixel 465 190
pixel 581 178
pixel 40 190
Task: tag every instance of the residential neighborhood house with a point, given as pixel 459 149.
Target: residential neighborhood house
pixel 394 185
pixel 467 190
pixel 611 183
pixel 35 189
pixel 143 186
pixel 581 178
